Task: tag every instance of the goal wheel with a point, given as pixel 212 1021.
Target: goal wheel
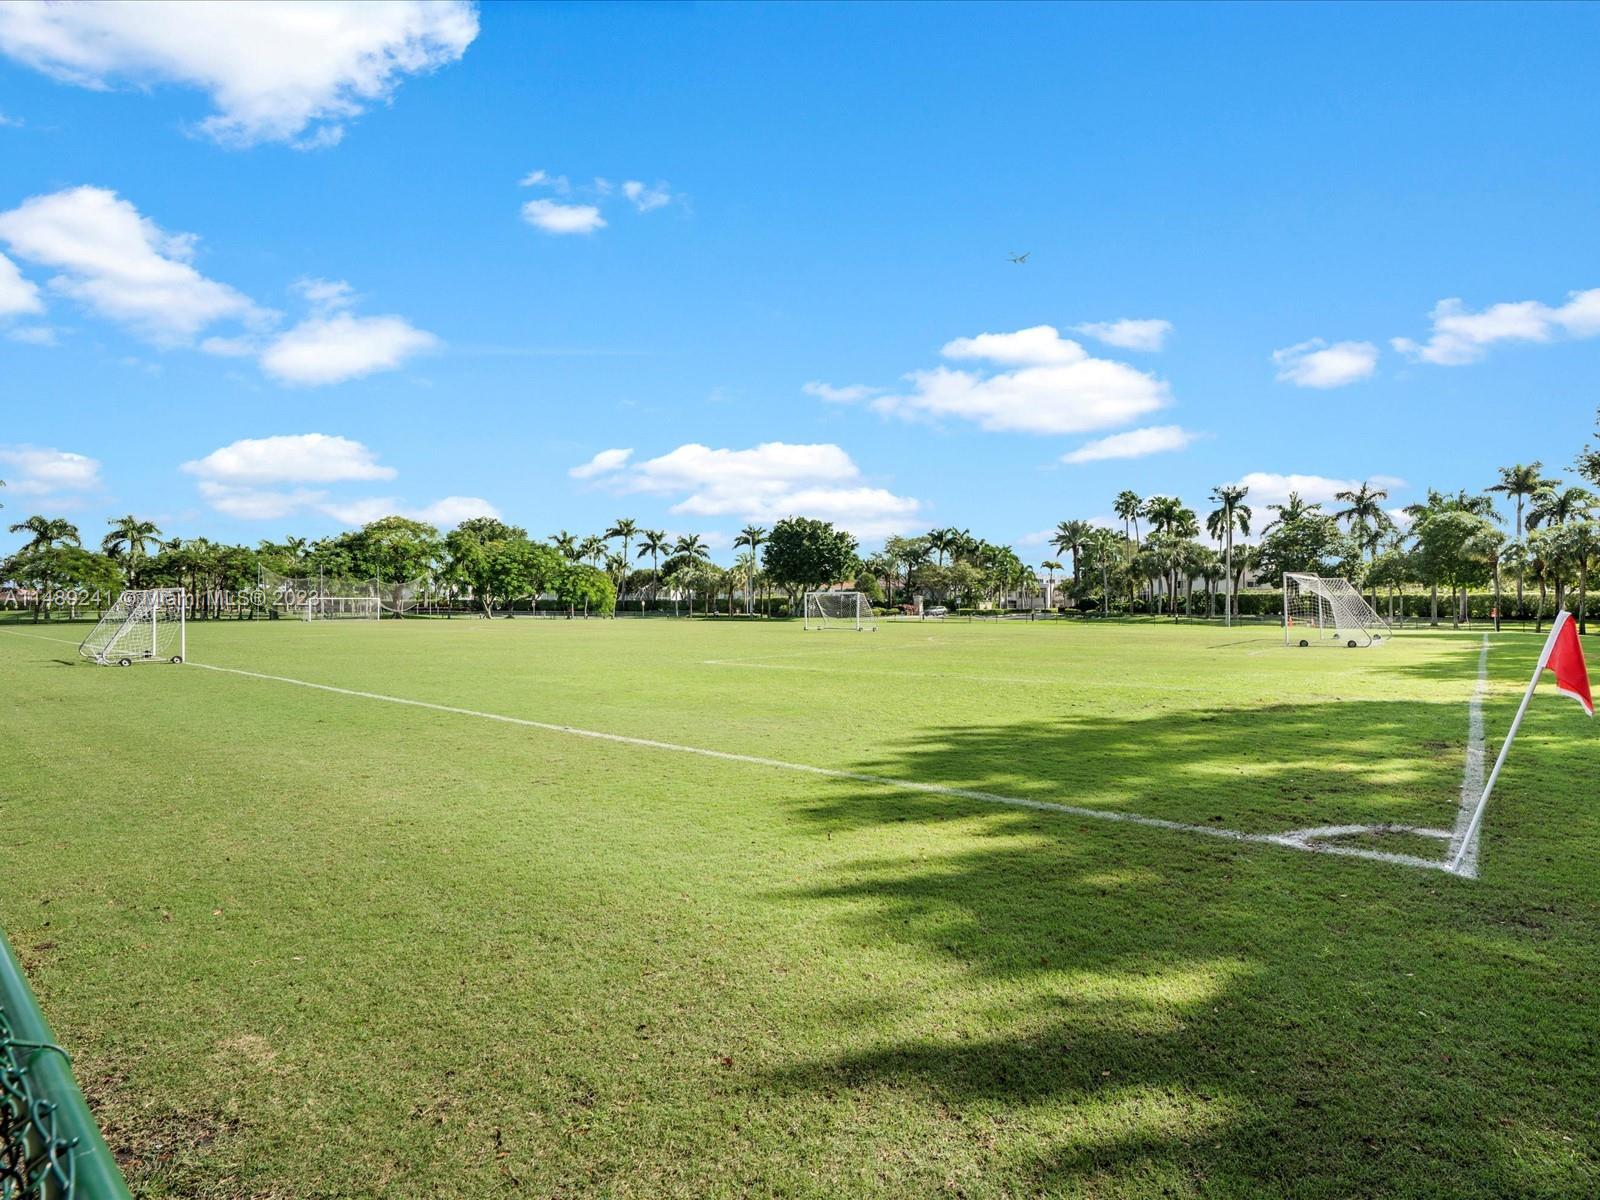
pixel 1303 642
pixel 124 662
pixel 1351 643
pixel 177 658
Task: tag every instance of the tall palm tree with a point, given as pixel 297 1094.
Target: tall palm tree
pixel 128 541
pixel 593 548
pixel 1232 513
pixel 566 545
pixel 626 529
pixel 654 543
pixel 1292 509
pixel 1365 518
pixel 943 542
pixel 695 554
pixel 1129 506
pixel 47 532
pixel 1068 539
pixel 1520 481
pixel 1050 566
pixel 753 536
pixel 1165 514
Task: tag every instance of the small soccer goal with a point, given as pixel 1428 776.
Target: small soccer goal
pixel 839 610
pixel 1323 611
pixel 341 608
pixel 144 625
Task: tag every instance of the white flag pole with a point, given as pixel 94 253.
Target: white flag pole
pixel 1562 618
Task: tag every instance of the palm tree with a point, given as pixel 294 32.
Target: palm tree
pixel 128 540
pixel 1292 509
pixel 654 543
pixel 1129 506
pixel 1051 566
pixel 1068 539
pixel 753 536
pixel 47 531
pixel 1168 516
pixel 1519 481
pixel 1558 505
pixel 694 551
pixel 566 545
pixel 943 541
pixel 625 528
pixel 593 548
pixel 1232 513
pixel 1365 518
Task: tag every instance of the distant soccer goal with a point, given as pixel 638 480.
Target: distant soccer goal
pixel 1322 611
pixel 145 625
pixel 341 608
pixel 839 610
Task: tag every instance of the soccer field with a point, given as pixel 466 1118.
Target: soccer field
pixel 649 908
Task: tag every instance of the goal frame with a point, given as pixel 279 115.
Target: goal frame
pixel 816 617
pixel 143 625
pixel 1331 612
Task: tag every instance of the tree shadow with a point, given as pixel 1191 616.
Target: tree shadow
pixel 1129 1011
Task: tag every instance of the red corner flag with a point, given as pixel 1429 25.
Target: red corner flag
pixel 1564 656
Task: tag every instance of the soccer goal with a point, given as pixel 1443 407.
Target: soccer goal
pixel 144 625
pixel 838 610
pixel 1322 611
pixel 341 608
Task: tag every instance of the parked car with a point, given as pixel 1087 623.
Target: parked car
pixel 938 610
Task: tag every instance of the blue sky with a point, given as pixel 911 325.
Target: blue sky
pixel 222 238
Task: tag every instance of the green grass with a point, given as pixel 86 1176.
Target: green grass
pixel 309 944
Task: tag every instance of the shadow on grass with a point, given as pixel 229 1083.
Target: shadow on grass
pixel 1133 1013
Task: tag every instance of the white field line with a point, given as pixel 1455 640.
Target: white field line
pixel 1304 840
pixel 1472 777
pixel 42 637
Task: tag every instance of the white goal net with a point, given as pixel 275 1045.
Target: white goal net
pixel 838 610
pixel 341 608
pixel 145 625
pixel 1322 611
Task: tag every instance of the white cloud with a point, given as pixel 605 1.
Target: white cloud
pixel 451 510
pixel 257 504
pixel 1269 487
pixel 290 458
pixel 43 471
pixel 332 349
pixel 10 122
pixel 32 335
pixel 1129 334
pixel 276 70
pixel 543 178
pixel 603 463
pixel 1316 364
pixel 1135 443
pixel 1056 387
pixel 768 482
pixel 851 394
pixel 1459 337
pixel 646 198
pixel 562 218
pixel 17 295
pixel 326 295
pixel 1039 345
pixel 120 264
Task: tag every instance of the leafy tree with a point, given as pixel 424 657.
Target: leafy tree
pixel 395 551
pixel 46 568
pixel 1312 543
pixel 518 567
pixel 1458 549
pixel 802 554
pixel 1578 544
pixel 472 554
pixel 580 583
